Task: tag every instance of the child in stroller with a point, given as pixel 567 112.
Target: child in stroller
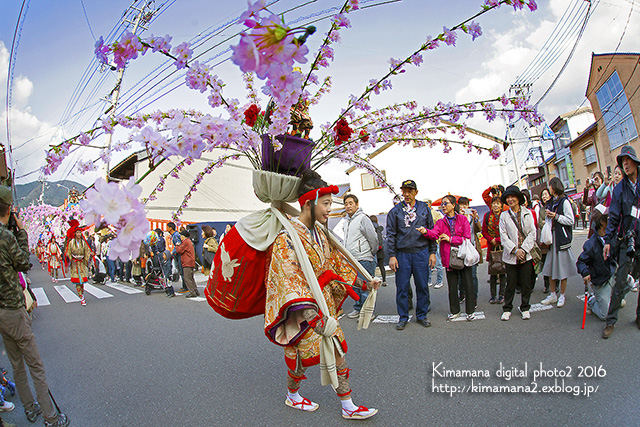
pixel 155 280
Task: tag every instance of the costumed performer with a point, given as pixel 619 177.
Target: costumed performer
pixel 54 259
pixel 79 254
pixel 41 252
pixel 292 316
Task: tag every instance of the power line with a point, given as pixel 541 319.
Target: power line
pixel 87 19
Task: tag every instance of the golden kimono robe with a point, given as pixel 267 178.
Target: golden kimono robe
pixel 54 260
pixel 288 294
pixel 79 255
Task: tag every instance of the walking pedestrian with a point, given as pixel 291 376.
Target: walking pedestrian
pixel 54 259
pixel 79 256
pixel 292 318
pixel 188 259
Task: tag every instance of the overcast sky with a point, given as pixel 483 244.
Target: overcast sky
pixel 56 46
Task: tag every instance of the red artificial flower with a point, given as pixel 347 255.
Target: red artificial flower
pixel 343 131
pixel 364 136
pixel 251 115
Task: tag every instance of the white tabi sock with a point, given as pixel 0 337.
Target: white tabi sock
pixel 348 405
pixel 294 397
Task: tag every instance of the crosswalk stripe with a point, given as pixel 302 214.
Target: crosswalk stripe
pixel 123 288
pixel 66 294
pixel 96 292
pixel 41 296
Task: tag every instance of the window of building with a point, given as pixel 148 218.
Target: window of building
pixel 369 182
pixel 589 155
pixel 616 112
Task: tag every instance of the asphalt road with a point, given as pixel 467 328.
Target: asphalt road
pixel 137 360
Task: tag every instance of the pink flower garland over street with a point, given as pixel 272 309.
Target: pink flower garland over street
pixel 118 206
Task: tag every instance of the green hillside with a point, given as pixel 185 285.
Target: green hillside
pixel 53 194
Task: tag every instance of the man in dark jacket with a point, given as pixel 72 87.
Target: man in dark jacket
pixel 410 253
pixel 595 269
pixel 623 232
pixel 15 323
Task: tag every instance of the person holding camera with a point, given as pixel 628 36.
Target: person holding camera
pixel 621 237
pixel 15 323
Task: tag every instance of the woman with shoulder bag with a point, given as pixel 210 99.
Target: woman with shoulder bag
pixel 450 231
pixel 491 232
pixel 547 203
pixel 209 248
pixel 518 237
pixel 560 262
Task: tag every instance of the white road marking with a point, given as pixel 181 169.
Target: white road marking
pixel 197 299
pixel 123 288
pixel 66 294
pixel 389 318
pixel 540 307
pixel 41 296
pixel 97 292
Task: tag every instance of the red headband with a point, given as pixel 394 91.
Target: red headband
pixel 317 193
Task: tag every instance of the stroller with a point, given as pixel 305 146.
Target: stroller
pixel 155 280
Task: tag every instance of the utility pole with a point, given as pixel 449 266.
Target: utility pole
pixel 142 17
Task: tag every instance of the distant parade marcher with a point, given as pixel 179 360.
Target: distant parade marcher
pixel 79 254
pixel 41 253
pixel 54 259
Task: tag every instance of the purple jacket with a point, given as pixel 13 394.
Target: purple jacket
pixel 462 230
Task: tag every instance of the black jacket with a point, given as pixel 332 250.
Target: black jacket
pixel 591 262
pixel 624 197
pixel 562 234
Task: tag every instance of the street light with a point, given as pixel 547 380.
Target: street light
pixel 63 186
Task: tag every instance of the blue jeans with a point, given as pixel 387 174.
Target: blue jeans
pixel 370 266
pixel 417 265
pixel 438 268
pixel 111 269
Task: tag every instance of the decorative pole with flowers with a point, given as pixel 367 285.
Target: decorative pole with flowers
pixel 269 50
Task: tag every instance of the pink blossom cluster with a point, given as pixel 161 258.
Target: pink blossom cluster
pixel 118 206
pixel 42 221
pixel 87 166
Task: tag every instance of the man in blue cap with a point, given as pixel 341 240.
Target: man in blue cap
pixel 621 238
pixel 410 252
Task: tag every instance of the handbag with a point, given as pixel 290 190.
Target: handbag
pixel 536 253
pixel 455 262
pixel 496 264
pixel 29 301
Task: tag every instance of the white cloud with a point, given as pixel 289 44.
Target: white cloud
pixel 29 135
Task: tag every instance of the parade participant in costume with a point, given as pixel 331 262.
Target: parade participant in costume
pixel 54 260
pixel 41 253
pixel 79 255
pixel 292 315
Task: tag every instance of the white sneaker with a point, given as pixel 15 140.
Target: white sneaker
pixel 635 286
pixel 526 315
pixel 552 298
pixel 354 314
pixel 451 317
pixel 561 301
pixel 623 303
pixel 7 406
pixel 506 316
pixel 438 285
